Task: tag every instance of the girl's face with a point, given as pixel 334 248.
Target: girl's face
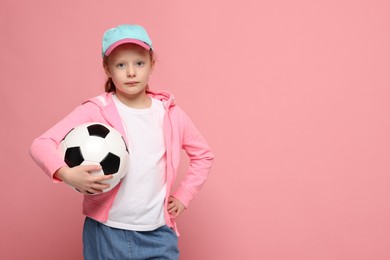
pixel 129 67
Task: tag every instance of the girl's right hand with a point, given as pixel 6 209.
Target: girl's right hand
pixel 81 179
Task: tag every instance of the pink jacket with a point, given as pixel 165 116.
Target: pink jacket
pixel 179 132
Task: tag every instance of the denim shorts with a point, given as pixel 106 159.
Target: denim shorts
pixel 101 242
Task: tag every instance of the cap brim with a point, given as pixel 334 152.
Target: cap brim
pixel 123 41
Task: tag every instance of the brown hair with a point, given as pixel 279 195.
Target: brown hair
pixel 109 85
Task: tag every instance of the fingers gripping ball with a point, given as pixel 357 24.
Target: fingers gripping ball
pixel 97 144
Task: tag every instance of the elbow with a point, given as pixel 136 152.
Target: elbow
pixel 32 149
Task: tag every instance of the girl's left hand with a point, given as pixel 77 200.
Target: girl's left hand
pixel 175 207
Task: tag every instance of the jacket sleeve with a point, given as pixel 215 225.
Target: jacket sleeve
pixel 44 149
pixel 201 160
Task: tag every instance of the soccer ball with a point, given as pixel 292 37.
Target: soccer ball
pixel 97 144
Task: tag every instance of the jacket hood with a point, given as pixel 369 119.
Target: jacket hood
pixel 106 98
pixel 167 98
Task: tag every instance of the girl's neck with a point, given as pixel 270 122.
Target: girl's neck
pixel 139 101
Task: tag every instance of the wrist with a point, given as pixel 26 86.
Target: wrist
pixel 59 173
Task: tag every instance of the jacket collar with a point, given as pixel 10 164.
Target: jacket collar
pixel 167 98
pixel 105 99
pixel 110 112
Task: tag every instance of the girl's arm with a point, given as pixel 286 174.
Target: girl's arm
pixel 201 160
pixel 44 148
pixel 45 153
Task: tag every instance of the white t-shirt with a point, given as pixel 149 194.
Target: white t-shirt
pixel 139 204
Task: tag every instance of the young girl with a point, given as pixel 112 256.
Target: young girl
pixel 136 219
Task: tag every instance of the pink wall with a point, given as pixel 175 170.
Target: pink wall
pixel 292 95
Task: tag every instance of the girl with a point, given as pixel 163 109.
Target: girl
pixel 136 219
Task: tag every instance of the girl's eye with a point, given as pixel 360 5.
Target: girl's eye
pixel 120 65
pixel 140 63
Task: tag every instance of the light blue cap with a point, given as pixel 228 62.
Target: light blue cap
pixel 126 33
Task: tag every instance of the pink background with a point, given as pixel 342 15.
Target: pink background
pixel 293 96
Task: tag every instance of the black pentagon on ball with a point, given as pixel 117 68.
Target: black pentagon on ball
pixel 110 164
pixel 73 156
pixel 98 130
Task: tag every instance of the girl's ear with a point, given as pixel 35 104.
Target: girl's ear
pixel 106 70
pixel 152 65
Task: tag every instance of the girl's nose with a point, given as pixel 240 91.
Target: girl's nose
pixel 131 72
